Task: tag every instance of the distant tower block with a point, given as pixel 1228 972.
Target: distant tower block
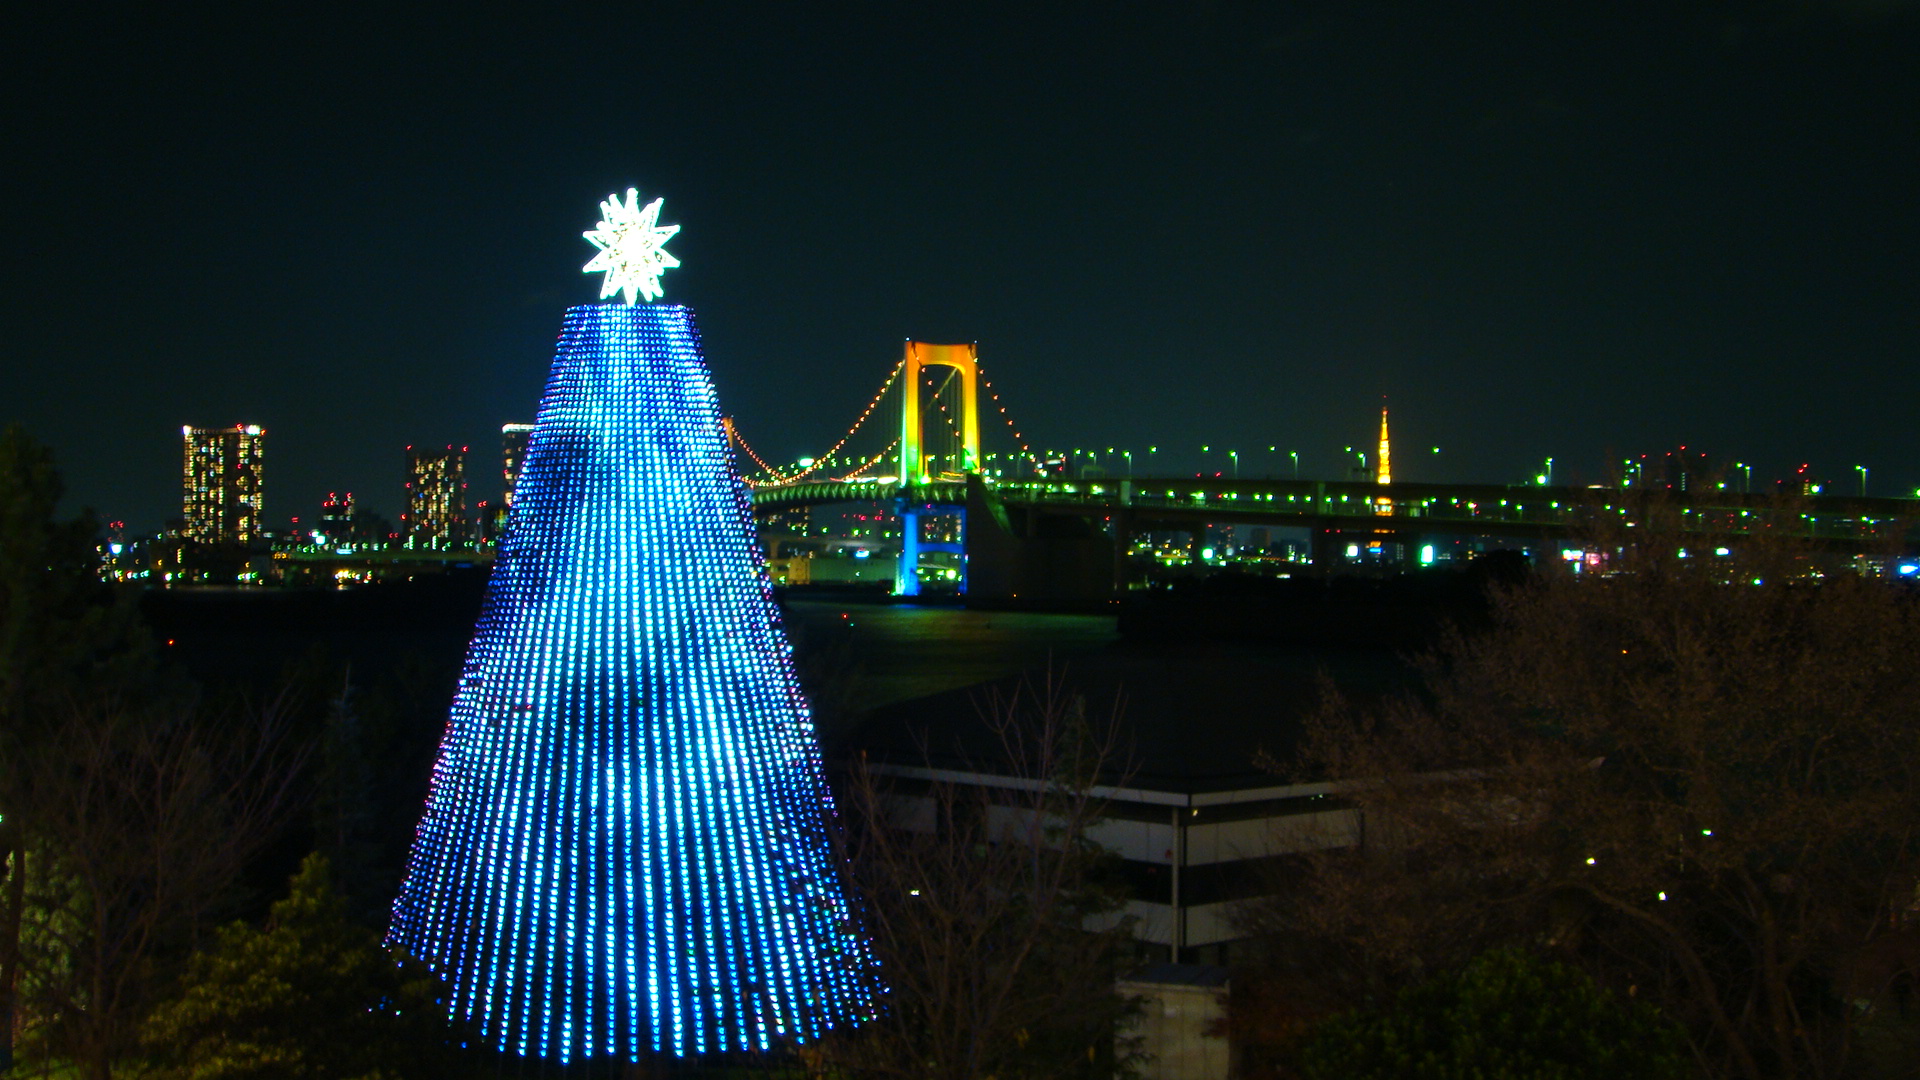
pixel 964 360
pixel 221 485
pixel 436 514
pixel 625 847
pixel 513 453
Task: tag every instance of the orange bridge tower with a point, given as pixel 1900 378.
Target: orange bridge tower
pixel 916 476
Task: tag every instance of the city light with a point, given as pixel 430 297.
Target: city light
pixel 1384 471
pixel 624 849
pixel 222 496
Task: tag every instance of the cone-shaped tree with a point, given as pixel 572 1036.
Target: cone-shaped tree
pixel 624 850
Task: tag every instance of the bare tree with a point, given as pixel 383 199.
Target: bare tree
pixel 1695 771
pixel 127 808
pixel 143 817
pixel 994 929
pixel 62 633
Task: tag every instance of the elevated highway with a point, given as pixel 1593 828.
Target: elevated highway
pixel 1070 539
pixel 1359 506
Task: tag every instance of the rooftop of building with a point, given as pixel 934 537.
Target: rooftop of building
pixel 1193 717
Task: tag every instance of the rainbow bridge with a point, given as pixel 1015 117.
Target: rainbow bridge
pixel 1019 530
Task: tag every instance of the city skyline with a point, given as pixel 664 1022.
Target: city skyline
pixel 1576 235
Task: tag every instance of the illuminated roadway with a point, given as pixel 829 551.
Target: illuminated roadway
pixel 1401 508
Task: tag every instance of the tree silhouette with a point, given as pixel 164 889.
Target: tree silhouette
pixel 1696 772
pixel 991 916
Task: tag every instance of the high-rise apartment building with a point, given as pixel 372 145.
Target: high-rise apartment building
pixel 221 492
pixel 335 524
pixel 513 454
pixel 436 513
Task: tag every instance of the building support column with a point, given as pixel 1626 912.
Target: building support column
pixel 1178 930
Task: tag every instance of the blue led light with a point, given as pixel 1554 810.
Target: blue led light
pixel 624 849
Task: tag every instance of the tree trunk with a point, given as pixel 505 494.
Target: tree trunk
pixel 14 856
pixel 1774 986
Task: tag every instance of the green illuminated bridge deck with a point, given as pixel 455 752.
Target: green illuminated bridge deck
pixel 1401 508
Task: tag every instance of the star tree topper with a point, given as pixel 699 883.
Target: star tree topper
pixel 630 243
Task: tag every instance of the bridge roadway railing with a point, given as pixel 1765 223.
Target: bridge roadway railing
pixel 1436 506
pixel 820 492
pixel 1410 506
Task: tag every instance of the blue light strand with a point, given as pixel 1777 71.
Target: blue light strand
pixel 623 851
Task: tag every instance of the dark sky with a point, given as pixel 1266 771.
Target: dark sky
pixel 1565 229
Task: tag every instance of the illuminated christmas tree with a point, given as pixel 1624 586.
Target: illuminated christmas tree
pixel 625 849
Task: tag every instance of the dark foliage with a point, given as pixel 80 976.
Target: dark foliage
pixel 1509 1015
pixel 310 995
pixel 1695 773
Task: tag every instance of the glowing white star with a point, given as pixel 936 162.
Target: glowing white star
pixel 630 243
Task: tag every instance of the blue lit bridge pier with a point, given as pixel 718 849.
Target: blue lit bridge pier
pixel 624 851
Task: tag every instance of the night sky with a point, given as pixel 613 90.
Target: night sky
pixel 1562 229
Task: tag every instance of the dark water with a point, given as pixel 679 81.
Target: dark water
pixel 905 651
pixel 1200 705
pixel 1195 711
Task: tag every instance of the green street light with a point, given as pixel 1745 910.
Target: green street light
pixel 1862 470
pixel 1295 455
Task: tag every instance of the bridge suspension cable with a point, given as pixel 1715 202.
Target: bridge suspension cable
pixel 955 439
pixel 739 440
pixel 1025 450
pixel 793 474
pixel 872 461
pixel 775 476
